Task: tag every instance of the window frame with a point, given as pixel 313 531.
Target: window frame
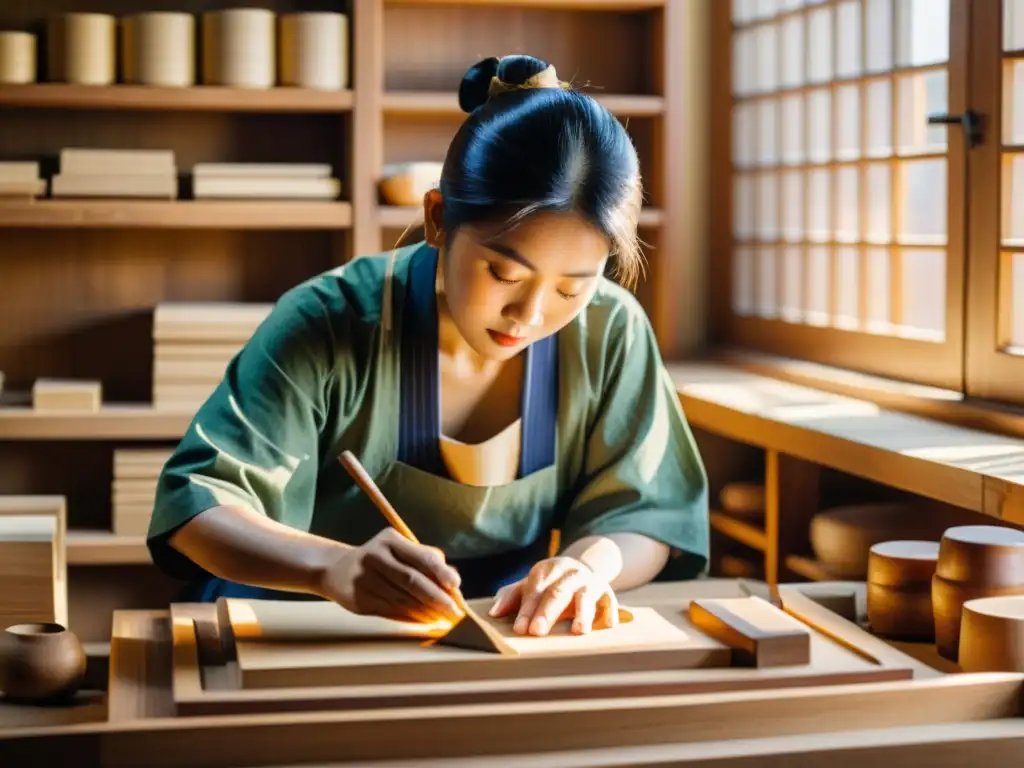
pixel 938 364
pixel 991 374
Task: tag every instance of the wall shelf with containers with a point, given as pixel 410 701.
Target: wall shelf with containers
pixel 325 98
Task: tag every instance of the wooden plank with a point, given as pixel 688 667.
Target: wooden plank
pixel 106 548
pixel 287 644
pixel 366 149
pixel 178 214
pixel 439 104
pixel 200 98
pixel 938 461
pixel 140 666
pixel 111 422
pixel 500 729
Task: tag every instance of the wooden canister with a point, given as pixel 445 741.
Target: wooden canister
pixel 17 58
pixel 992 635
pixel 82 48
pixel 975 561
pixel 314 51
pixel 158 49
pixel 899 589
pixel 239 48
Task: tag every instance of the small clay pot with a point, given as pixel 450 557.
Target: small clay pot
pixel 40 663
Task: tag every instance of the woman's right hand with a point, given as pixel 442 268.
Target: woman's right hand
pixel 392 577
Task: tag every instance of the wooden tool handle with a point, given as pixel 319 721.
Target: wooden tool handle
pixel 363 479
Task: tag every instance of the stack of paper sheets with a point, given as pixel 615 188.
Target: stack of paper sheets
pixel 116 173
pixel 253 181
pixel 193 342
pixel 133 490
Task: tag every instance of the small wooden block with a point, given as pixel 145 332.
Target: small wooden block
pixel 67 395
pixel 759 634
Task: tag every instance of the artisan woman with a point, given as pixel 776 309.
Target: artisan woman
pixel 493 382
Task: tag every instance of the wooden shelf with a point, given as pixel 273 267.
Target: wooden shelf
pixel 572 5
pixel 977 471
pixel 400 217
pixel 176 214
pixel 745 533
pixel 201 98
pixel 105 548
pixel 111 422
pixel 440 104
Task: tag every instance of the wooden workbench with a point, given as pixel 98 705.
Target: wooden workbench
pixel 939 718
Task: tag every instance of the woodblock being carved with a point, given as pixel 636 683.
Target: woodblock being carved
pixel 267 656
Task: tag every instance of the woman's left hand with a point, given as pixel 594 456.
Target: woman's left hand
pixel 558 588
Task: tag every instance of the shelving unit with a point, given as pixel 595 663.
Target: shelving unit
pixel 81 277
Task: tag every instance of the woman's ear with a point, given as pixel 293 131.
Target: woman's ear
pixel 433 219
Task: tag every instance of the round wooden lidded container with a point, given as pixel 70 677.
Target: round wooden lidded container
pixel 17 58
pixel 899 589
pixel 158 49
pixel 82 48
pixel 992 635
pixel 975 561
pixel 240 48
pixel 314 50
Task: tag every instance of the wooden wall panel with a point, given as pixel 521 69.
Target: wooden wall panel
pixel 430 48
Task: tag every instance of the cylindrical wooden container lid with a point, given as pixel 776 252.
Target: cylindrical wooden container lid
pixel 992 635
pixel 82 48
pixel 903 563
pixel 158 49
pixel 17 58
pixel 982 554
pixel 314 50
pixel 240 48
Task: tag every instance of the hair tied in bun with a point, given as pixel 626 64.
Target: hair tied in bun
pixel 492 76
pixel 547 78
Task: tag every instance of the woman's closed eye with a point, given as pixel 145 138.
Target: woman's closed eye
pixel 508 281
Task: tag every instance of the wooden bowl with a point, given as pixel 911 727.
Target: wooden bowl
pixel 40 662
pixel 992 635
pixel 743 500
pixel 407 183
pixel 899 589
pixel 842 537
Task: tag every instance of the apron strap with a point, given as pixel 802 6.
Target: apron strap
pixel 419 432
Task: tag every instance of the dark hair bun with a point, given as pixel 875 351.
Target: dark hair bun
pixel 475 84
pixel 513 70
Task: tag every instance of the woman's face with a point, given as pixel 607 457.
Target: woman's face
pixel 505 290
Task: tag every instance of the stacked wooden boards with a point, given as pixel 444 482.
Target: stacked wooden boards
pixel 133 490
pixel 569 721
pixel 193 342
pixel 33 564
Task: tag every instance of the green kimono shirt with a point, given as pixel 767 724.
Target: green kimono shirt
pixel 324 374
